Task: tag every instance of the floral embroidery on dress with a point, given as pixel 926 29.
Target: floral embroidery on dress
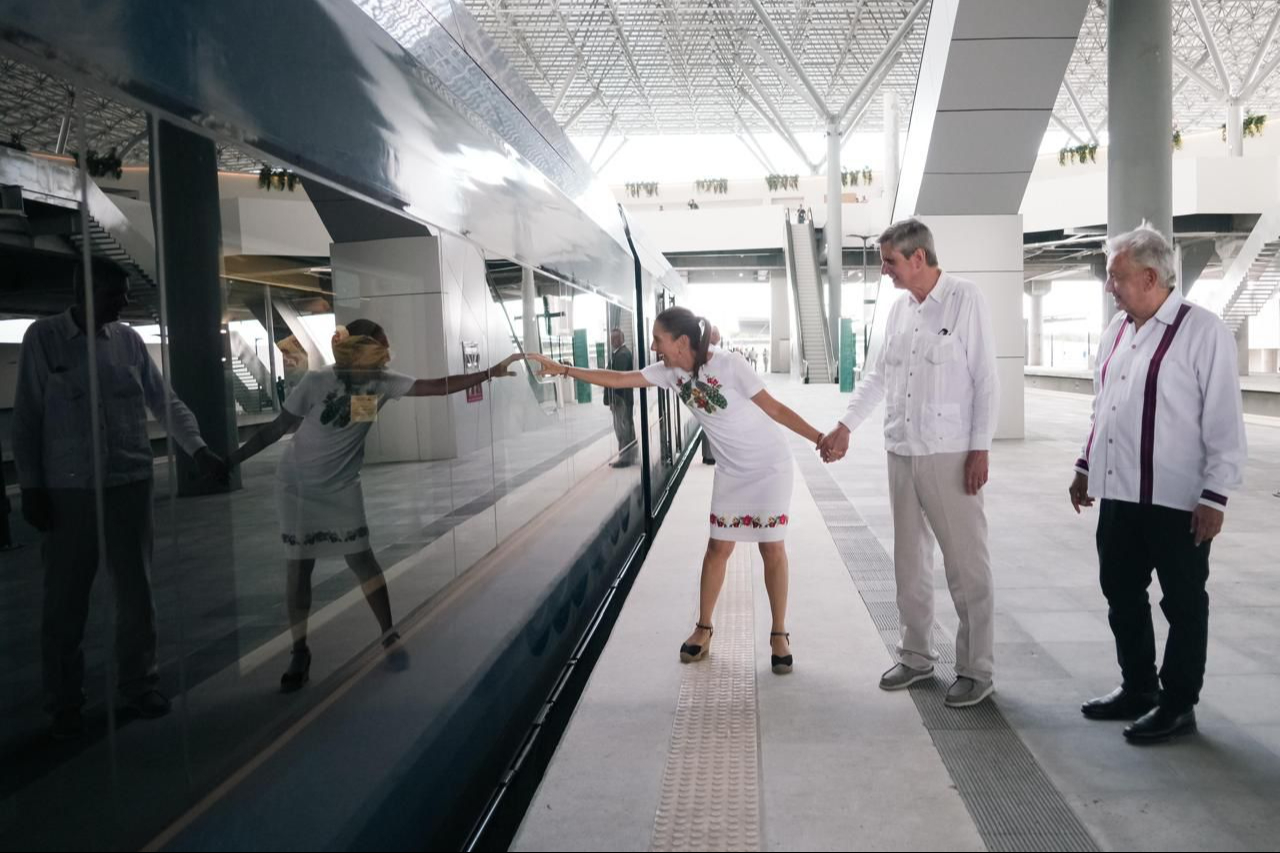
pixel 361 532
pixel 337 410
pixel 703 395
pixel 337 405
pixel 753 521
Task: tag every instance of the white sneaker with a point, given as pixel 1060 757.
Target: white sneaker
pixel 968 691
pixel 901 676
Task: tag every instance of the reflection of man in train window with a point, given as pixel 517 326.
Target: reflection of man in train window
pixel 294 357
pixel 319 498
pixel 622 401
pixel 55 461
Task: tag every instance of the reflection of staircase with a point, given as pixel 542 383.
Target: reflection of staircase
pixel 112 234
pixel 1253 278
pixel 808 294
pixel 250 396
pixel 1260 284
pixel 104 244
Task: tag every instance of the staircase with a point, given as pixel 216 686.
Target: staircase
pixel 802 257
pixel 250 396
pixel 103 244
pixel 1253 278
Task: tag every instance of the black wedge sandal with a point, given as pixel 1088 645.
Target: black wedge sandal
pixel 299 671
pixel 781 664
pixel 690 653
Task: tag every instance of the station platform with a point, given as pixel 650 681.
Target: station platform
pixel 725 755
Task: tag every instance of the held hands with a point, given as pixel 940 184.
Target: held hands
pixel 549 367
pixel 503 368
pixel 835 444
pixel 213 466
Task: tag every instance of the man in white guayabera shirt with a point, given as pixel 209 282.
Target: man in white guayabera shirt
pixel 1166 446
pixel 936 373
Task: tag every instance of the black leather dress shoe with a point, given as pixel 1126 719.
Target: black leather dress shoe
pixel 1161 724
pixel 1119 704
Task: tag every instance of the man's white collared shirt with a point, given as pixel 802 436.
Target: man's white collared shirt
pixel 936 372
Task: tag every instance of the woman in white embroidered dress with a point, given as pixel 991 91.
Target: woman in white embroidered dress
pixel 751 497
pixel 319 499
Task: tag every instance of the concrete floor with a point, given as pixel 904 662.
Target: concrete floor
pixel 846 766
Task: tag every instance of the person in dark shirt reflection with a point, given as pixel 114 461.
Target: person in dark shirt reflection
pixel 58 472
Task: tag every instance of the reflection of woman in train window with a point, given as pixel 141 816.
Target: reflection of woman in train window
pixel 319 499
pixel 752 493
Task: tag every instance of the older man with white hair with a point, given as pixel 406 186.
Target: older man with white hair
pixel 1166 447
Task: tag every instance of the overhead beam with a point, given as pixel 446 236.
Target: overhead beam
pixel 848 45
pixel 1267 41
pixel 1071 93
pixel 564 88
pixel 782 74
pixel 871 93
pixel 1204 57
pixel 815 99
pixel 1062 124
pixel 756 154
pixel 591 99
pixel 764 156
pixel 1200 79
pixel 1261 78
pixel 889 50
pixel 631 64
pixel 613 119
pixel 779 129
pixel 1209 42
pixel 613 154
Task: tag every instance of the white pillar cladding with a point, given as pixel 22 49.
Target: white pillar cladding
pixel 1037 290
pixel 1139 98
pixel 431 296
pixel 892 136
pixel 989 76
pixel 834 235
pixel 779 325
pixel 1235 128
pixel 987 250
pixel 529 310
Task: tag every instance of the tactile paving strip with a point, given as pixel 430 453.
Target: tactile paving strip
pixel 711 783
pixel 1011 800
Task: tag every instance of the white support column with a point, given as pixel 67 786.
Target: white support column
pixel 1235 129
pixel 529 310
pixel 1037 290
pixel 432 297
pixel 1242 348
pixel 892 154
pixel 987 250
pixel 397 283
pixel 779 325
pixel 833 233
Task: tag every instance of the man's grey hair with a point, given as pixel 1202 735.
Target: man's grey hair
pixel 907 236
pixel 1148 248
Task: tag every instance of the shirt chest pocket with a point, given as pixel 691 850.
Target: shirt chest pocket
pixel 895 350
pixel 123 399
pixel 66 402
pixel 942 360
pixel 942 352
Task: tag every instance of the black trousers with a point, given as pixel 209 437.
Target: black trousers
pixel 1132 540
